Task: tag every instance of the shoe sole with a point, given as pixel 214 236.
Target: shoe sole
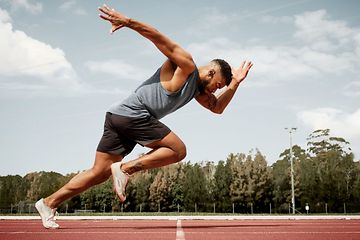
pixel 121 197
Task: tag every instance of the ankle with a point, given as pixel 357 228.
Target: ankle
pixel 125 170
pixel 49 202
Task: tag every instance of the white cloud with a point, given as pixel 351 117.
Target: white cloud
pixel 22 55
pixel 328 62
pixel 80 12
pixel 32 7
pixel 67 5
pixel 118 68
pixel 322 33
pixel 352 89
pixel 4 16
pixel 340 122
pixel 71 6
pixel 328 48
pixel 209 18
pixel 272 64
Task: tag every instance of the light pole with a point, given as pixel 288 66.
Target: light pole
pixel 291 130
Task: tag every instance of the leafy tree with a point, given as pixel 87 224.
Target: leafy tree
pixel 238 181
pixel 166 189
pixel 195 190
pixel 209 170
pixel 333 162
pixel 43 184
pixel 222 179
pixel 251 181
pixel 12 190
pixel 355 192
pixel 324 174
pixel 138 190
pixel 98 198
pixel 282 178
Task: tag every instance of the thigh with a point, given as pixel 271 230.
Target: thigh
pixel 113 141
pixel 142 130
pixel 103 162
pixel 170 141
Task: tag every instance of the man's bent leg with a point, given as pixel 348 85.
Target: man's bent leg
pixel 99 173
pixel 166 151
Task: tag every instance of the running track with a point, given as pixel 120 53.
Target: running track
pixel 183 229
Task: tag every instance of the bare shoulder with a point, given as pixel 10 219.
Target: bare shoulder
pixel 167 71
pixel 172 77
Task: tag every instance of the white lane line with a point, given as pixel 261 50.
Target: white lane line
pixel 180 235
pixel 183 234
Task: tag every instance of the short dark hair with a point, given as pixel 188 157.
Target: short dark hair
pixel 225 70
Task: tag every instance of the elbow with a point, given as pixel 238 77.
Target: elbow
pixel 215 106
pixel 217 111
pixel 183 60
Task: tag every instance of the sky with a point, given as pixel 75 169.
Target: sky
pixel 61 69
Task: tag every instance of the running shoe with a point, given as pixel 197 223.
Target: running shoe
pixel 120 180
pixel 47 214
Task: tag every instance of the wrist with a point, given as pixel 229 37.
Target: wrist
pixel 128 22
pixel 234 84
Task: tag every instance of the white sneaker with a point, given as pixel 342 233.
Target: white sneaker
pixel 47 214
pixel 120 180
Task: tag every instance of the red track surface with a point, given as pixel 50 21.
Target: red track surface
pixel 183 230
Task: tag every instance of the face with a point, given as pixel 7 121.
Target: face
pixel 212 81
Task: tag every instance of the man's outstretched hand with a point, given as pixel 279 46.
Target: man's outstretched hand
pixel 116 19
pixel 239 74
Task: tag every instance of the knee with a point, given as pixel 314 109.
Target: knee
pixel 181 153
pixel 101 174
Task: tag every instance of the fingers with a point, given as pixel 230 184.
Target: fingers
pixel 242 65
pixel 106 10
pixel 115 18
pixel 105 17
pixel 246 66
pixel 108 15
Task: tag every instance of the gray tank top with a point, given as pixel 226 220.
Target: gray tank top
pixel 150 98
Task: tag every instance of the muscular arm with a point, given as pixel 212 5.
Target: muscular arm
pixel 169 48
pixel 217 104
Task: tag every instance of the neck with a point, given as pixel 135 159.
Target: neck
pixel 203 71
pixel 201 82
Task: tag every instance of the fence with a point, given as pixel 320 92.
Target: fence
pixel 234 208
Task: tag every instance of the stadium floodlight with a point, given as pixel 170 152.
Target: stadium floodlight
pixel 291 130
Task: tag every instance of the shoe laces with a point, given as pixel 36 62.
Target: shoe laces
pixel 53 215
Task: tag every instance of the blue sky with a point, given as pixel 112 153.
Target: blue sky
pixel 60 70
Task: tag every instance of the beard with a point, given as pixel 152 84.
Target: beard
pixel 202 86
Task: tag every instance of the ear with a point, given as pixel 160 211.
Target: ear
pixel 211 73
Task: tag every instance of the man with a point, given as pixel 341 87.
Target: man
pixel 136 119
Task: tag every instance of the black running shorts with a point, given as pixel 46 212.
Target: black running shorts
pixel 121 133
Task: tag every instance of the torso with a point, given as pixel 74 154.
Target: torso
pixel 159 95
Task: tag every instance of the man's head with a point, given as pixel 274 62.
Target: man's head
pixel 215 75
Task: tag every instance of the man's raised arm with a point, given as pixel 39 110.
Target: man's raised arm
pixel 217 104
pixel 168 47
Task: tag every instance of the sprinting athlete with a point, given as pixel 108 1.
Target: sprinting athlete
pixel 135 120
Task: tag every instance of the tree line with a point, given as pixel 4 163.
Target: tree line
pixel 326 178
